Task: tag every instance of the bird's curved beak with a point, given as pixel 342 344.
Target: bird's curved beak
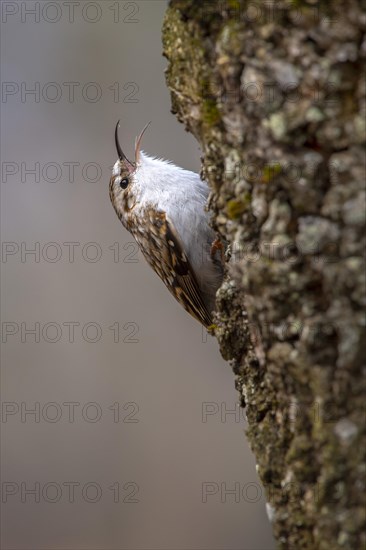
pixel 138 143
pixel 131 167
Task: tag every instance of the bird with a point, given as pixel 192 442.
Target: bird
pixel 163 207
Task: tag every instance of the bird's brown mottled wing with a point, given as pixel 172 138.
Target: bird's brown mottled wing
pixel 185 286
pixel 165 253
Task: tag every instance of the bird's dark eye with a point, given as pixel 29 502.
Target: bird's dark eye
pixel 124 183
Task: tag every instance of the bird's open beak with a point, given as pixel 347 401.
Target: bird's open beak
pixel 138 143
pixel 122 157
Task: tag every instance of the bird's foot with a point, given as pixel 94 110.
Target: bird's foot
pixel 217 245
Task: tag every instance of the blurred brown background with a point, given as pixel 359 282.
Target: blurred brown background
pixel 132 444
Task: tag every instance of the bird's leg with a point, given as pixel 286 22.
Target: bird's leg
pixel 217 245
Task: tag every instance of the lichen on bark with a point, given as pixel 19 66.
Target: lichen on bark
pixel 275 95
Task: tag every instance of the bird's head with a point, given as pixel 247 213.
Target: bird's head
pixel 123 184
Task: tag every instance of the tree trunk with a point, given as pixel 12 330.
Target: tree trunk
pixel 275 95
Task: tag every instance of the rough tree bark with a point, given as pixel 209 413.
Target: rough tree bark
pixel 275 95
